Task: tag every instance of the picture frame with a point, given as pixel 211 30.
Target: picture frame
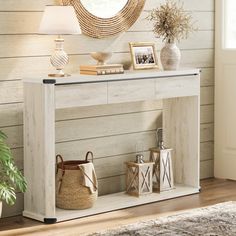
pixel 143 55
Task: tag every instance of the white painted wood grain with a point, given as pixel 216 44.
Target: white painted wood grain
pixel 177 87
pixel 198 58
pixel 107 110
pixel 120 200
pixel 12 92
pixel 207 95
pixel 207 77
pixel 207 169
pixel 126 91
pixel 202 20
pixel 106 126
pixel 207 132
pixel 17 22
pixel 32 5
pixel 15 133
pixel 116 145
pixel 207 114
pixel 35 45
pixel 11 114
pixel 16 209
pixel 39 138
pixel 181 118
pixel 106 147
pixel 207 151
pixel 192 5
pixel 115 166
pixel 18 68
pixel 25 21
pixel 25 5
pixel 80 95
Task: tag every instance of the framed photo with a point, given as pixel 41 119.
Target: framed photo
pixel 143 55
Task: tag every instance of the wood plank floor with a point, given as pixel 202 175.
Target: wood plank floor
pixel 213 191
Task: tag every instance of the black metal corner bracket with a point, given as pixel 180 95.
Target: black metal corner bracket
pixel 50 220
pixel 49 81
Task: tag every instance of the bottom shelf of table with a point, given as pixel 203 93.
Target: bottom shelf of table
pixel 121 200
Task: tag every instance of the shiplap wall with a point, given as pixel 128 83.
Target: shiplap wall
pixel 110 131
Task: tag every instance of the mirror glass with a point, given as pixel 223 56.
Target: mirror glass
pixel 104 8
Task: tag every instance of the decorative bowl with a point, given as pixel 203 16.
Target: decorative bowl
pixel 101 57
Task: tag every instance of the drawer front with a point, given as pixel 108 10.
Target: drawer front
pixel 181 86
pixel 77 95
pixel 131 91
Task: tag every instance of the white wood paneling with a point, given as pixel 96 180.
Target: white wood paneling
pixel 207 169
pixel 34 45
pixel 15 209
pixel 191 5
pixel 16 22
pixel 24 54
pixel 203 20
pixel 16 68
pixel 106 126
pixel 25 5
pixel 207 77
pixel 207 151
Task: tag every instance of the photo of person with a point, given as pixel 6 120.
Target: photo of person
pixel 143 55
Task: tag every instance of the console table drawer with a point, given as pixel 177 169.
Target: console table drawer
pixel 130 91
pixel 177 86
pixel 80 95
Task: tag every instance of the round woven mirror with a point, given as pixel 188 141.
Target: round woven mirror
pixel 104 18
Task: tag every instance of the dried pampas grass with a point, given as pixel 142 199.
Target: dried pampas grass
pixel 171 22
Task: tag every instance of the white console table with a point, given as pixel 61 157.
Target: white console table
pixel 180 91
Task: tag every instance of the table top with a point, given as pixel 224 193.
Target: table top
pixel 128 75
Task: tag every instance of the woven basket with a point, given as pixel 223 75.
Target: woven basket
pixel 71 194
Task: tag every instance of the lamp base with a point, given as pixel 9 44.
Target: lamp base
pixel 59 75
pixel 59 59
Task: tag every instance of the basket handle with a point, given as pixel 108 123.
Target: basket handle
pixel 87 156
pixel 62 164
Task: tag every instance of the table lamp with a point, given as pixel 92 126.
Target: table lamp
pixel 59 20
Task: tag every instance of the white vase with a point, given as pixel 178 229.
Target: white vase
pixel 170 56
pixel 0 209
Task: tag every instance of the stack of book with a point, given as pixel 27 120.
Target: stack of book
pixel 101 69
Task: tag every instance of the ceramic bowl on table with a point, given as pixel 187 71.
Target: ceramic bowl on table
pixel 101 57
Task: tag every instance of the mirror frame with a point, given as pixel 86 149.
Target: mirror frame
pixel 97 27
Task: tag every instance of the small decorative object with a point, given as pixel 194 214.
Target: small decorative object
pixel 143 55
pixel 139 178
pixel 106 69
pixel 101 68
pixel 101 57
pixel 76 183
pixel 139 158
pixel 139 152
pixel 159 137
pixel 11 179
pixel 162 171
pixel 171 23
pixel 59 20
